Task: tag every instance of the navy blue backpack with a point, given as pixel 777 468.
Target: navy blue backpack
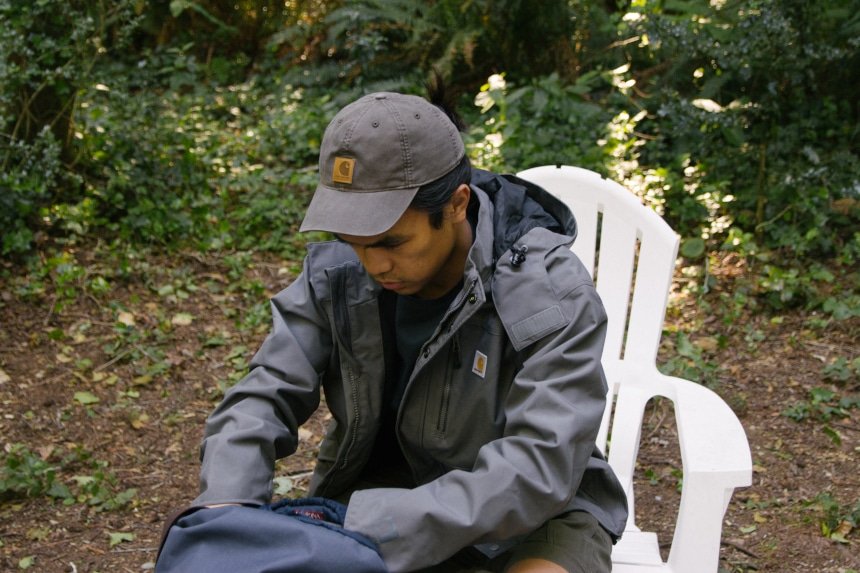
pixel 291 536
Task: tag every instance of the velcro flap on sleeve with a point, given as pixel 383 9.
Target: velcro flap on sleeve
pixel 534 327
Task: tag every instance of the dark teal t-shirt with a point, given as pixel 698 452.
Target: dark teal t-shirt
pixel 407 323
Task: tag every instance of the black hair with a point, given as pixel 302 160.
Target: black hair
pixel 440 94
pixel 432 197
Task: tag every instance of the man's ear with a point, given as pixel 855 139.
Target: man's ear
pixel 459 203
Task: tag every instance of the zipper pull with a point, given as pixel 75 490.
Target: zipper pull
pixel 456 350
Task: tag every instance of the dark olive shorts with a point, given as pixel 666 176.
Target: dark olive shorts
pixel 575 541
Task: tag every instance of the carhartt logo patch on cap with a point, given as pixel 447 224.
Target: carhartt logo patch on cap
pixel 343 169
pixel 479 366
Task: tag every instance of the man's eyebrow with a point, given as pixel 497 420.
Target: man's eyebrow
pixel 386 241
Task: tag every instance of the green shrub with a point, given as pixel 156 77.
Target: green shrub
pixel 548 121
pixel 25 474
pixel 752 96
pixel 47 51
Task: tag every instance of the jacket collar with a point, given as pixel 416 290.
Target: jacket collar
pixel 480 262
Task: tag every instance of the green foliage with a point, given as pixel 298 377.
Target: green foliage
pixel 32 170
pixel 231 35
pixel 837 520
pixel 842 370
pixel 372 41
pixel 24 474
pixel 197 123
pixel 754 96
pixel 47 51
pixel 546 122
pixel 204 163
pixel 823 406
pixel 688 361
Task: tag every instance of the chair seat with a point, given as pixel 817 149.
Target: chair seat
pixel 637 551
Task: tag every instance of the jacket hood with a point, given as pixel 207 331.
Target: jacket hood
pixel 520 206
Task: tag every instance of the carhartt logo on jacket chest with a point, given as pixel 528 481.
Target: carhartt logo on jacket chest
pixel 479 365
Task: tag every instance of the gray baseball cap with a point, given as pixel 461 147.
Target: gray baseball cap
pixel 375 154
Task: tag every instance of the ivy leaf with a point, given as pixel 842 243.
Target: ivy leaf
pixel 177 7
pixel 182 319
pixel 693 248
pixel 125 318
pixel 86 398
pixel 834 436
pixel 120 537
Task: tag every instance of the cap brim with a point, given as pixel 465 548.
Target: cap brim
pixel 361 214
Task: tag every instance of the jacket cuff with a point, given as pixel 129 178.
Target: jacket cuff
pixel 363 514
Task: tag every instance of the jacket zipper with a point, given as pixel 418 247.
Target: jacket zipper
pixel 353 391
pixel 442 422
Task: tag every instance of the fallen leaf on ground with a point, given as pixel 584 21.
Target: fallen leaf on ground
pixel 125 318
pixel 182 319
pixel 86 398
pixel 120 537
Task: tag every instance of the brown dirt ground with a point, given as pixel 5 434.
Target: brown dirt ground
pixel 150 441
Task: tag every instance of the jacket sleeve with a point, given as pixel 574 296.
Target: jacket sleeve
pixel 257 421
pixel 529 475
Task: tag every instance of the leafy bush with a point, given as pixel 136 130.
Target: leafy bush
pixel 47 51
pixel 25 474
pixel 836 521
pixel 32 170
pixel 146 180
pixel 545 122
pixel 734 119
pixel 751 98
pixel 378 42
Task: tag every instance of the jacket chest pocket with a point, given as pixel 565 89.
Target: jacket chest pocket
pixel 467 391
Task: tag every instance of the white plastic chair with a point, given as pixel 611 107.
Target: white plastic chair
pixel 633 267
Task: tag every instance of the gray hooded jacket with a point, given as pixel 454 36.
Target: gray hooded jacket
pixel 499 417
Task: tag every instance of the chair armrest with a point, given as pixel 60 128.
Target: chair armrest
pixel 711 437
pixel 716 458
pixel 715 455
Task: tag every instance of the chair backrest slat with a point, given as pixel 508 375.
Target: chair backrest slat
pixel 633 262
pixel 613 277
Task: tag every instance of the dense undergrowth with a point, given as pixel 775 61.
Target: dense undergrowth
pixel 131 128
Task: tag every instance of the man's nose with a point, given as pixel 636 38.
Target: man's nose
pixel 376 262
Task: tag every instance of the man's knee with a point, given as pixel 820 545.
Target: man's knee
pixel 570 543
pixel 535 566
